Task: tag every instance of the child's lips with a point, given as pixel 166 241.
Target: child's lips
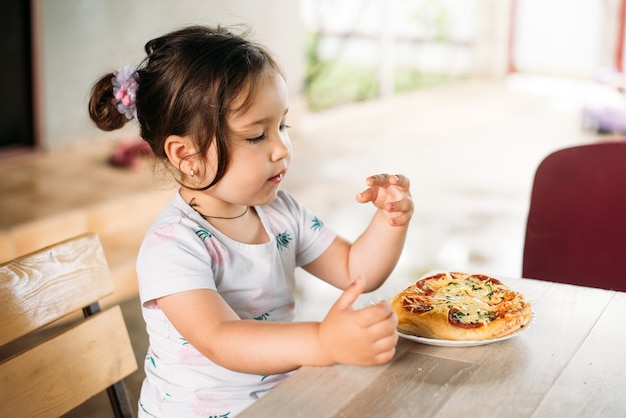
pixel 277 178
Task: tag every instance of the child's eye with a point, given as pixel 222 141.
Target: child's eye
pixel 257 139
pixel 282 127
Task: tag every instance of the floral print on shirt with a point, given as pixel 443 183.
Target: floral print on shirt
pixel 160 236
pixel 218 254
pixel 212 405
pixel 260 302
pixel 316 224
pixel 282 240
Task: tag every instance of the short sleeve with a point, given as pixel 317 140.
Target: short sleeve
pixel 313 237
pixel 173 258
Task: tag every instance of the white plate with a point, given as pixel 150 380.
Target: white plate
pixel 468 343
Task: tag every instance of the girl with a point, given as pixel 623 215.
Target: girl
pixel 216 269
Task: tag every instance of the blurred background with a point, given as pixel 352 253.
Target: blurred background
pixel 334 51
pixel 466 97
pixel 463 96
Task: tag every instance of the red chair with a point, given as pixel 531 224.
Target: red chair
pixel 576 229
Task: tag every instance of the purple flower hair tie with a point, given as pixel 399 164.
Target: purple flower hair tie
pixel 125 91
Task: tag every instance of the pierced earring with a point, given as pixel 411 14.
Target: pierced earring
pixel 191 172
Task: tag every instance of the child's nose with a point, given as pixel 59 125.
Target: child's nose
pixel 282 148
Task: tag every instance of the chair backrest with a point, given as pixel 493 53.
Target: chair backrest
pixel 50 360
pixel 576 228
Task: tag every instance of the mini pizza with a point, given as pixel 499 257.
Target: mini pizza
pixel 461 307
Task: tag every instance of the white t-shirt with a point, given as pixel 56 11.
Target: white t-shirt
pixel 182 251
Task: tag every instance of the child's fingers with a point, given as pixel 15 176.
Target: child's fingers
pixel 375 314
pixel 385 180
pixel 384 328
pixel 365 196
pixel 386 349
pixel 400 181
pixel 381 180
pixel 404 205
pixel 350 295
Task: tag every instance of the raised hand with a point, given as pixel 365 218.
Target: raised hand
pixel 358 336
pixel 391 194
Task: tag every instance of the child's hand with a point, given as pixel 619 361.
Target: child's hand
pixel 391 194
pixel 362 337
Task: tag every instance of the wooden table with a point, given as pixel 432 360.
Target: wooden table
pixel 570 362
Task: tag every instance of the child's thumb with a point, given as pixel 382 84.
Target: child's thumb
pixel 349 296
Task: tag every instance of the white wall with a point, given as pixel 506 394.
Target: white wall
pixel 79 40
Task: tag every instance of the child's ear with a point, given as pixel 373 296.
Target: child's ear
pixel 178 150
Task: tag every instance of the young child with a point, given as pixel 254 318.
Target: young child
pixel 216 269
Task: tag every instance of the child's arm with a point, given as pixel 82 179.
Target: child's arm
pixel 375 253
pixel 366 336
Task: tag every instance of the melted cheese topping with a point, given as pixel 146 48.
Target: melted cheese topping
pixel 474 299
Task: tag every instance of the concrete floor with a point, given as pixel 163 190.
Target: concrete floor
pixel 470 151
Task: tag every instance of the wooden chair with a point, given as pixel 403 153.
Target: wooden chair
pixel 47 366
pixel 576 229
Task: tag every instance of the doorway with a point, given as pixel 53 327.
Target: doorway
pixel 16 103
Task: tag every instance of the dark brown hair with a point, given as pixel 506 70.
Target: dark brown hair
pixel 187 85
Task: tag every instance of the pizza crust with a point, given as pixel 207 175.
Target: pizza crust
pixel 435 323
